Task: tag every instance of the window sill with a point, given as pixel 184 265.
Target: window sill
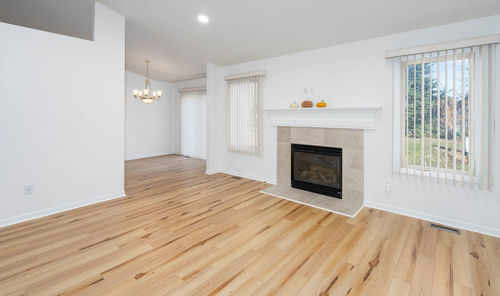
pixel 441 175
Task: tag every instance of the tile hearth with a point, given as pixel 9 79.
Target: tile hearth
pixel 344 207
pixel 352 143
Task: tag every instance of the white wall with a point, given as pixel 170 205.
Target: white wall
pixel 61 118
pixel 150 128
pixel 357 74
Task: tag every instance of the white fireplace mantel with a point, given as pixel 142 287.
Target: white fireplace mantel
pixel 333 117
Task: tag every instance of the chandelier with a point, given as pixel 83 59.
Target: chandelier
pixel 147 95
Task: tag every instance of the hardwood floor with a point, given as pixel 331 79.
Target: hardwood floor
pixel 181 232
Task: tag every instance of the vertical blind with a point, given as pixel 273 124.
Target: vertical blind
pixel 445 106
pixel 437 116
pixel 244 95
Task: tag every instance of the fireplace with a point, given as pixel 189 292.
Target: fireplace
pixel 317 169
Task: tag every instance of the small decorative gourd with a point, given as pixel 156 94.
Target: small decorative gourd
pixel 294 105
pixel 307 104
pixel 321 104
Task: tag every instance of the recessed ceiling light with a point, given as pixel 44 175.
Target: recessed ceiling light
pixel 203 18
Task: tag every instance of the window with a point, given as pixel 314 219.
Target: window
pixel 444 110
pixel 436 106
pixel 244 95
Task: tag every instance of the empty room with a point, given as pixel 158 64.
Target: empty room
pixel 284 147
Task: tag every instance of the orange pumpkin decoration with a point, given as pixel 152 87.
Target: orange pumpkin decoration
pixel 321 104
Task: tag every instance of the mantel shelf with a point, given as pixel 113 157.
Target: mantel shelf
pixel 332 117
pixel 338 109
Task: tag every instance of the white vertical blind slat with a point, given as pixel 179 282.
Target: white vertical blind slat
pixel 241 130
pixel 462 117
pixel 491 113
pixel 405 118
pixel 438 101
pixel 229 117
pixel 414 116
pixel 480 106
pixel 422 114
pixel 431 138
pixel 446 118
pixel 454 118
pixel 472 137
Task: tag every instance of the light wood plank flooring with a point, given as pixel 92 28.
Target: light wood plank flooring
pixel 181 232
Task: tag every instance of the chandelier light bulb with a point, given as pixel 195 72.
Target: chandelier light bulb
pixel 140 94
pixel 135 92
pixel 146 91
pixel 158 92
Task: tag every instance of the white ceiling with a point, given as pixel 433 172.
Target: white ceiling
pixel 67 17
pixel 167 31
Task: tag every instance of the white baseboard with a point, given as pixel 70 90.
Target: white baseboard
pixel 248 176
pixel 141 156
pixel 59 209
pixel 434 219
pixel 211 172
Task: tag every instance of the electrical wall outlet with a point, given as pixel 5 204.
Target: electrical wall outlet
pixel 388 186
pixel 28 189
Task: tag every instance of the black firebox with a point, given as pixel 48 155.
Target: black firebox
pixel 317 169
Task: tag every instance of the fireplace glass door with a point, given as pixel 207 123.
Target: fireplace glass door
pixel 317 169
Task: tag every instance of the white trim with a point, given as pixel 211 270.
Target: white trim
pixel 246 176
pixel 470 42
pixel 339 117
pixel 148 155
pixel 241 175
pixel 442 175
pixel 190 77
pixel 314 206
pixel 188 89
pixel 59 209
pixel 211 172
pixel 433 218
pixel 244 75
pixel 343 109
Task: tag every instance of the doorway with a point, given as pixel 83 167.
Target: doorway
pixel 193 123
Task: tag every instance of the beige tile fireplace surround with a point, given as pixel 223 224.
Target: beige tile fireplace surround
pixel 352 144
